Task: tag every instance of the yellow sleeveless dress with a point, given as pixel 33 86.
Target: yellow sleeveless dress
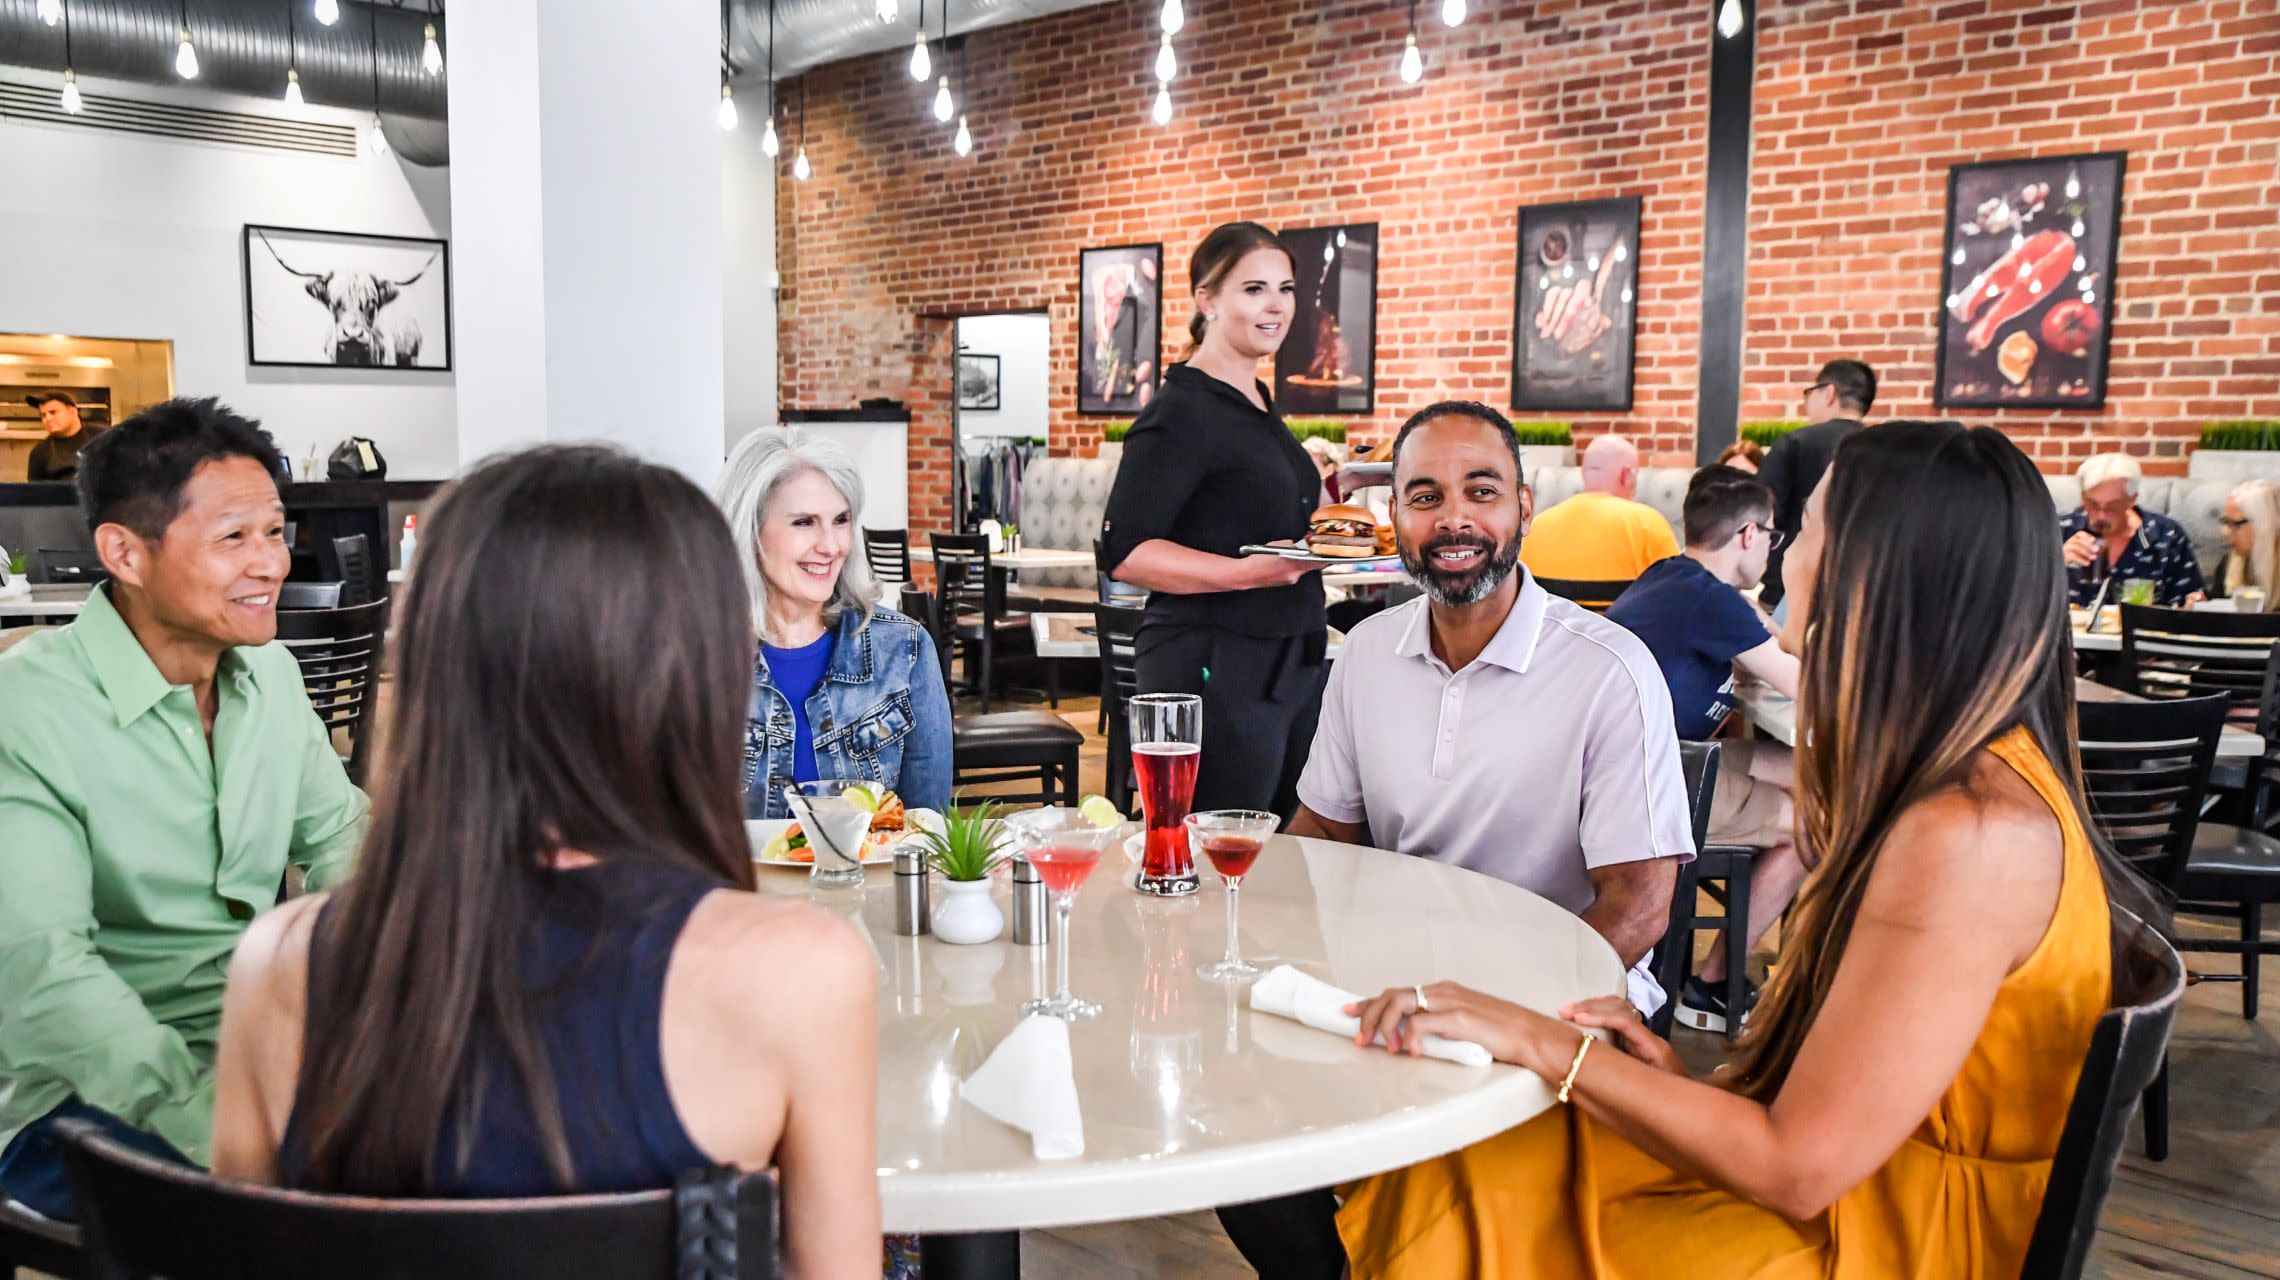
pixel 1564 1196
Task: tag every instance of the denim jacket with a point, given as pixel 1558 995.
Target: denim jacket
pixel 881 713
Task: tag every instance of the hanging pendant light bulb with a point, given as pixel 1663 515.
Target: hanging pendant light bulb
pixel 768 141
pixel 944 108
pixel 921 64
pixel 376 140
pixel 1163 112
pixel 1167 65
pixel 963 144
pixel 431 53
pixel 887 11
pixel 1730 19
pixel 1412 62
pixel 1174 17
pixel 727 112
pixel 185 58
pixel 801 169
pixel 71 103
pixel 1452 13
pixel 293 88
pixel 328 11
pixel 51 11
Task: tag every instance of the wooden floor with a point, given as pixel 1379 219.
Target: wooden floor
pixel 2211 1211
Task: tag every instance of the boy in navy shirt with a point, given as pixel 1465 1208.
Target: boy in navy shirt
pixel 1690 611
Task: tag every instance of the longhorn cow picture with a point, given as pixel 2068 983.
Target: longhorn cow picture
pixel 335 300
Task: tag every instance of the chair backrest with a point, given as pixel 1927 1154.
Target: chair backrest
pixel 1112 591
pixel 2145 767
pixel 1698 761
pixel 310 595
pixel 961 573
pixel 2126 1052
pixel 144 1217
pixel 355 555
pixel 888 551
pixel 1116 628
pixel 339 651
pixel 1595 596
pixel 920 607
pixel 2177 653
pixel 71 565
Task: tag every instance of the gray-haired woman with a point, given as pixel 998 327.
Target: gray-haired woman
pixel 841 687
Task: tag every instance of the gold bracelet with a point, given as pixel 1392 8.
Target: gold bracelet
pixel 1573 1067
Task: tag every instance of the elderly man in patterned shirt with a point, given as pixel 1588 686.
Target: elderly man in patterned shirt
pixel 2109 538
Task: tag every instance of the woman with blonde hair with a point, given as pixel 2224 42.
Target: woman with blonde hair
pixel 2252 541
pixel 1900 1095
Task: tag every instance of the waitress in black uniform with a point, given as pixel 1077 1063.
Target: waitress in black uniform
pixel 1208 468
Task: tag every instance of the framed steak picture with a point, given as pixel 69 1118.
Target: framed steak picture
pixel 1328 363
pixel 2027 299
pixel 1575 310
pixel 1120 327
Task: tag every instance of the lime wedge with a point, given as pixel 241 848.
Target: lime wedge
pixel 863 796
pixel 1098 811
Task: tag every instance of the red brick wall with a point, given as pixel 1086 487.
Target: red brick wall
pixel 1861 106
pixel 1290 113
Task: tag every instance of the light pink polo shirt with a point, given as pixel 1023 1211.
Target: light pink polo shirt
pixel 1552 753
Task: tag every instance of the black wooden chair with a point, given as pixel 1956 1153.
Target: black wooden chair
pixel 2178 653
pixel 357 585
pixel 972 602
pixel 145 1217
pixel 339 651
pixel 1595 596
pixel 1116 630
pixel 2128 1055
pixel 1000 747
pixel 71 565
pixel 2145 770
pixel 310 595
pixel 1674 955
pixel 34 1243
pixel 888 553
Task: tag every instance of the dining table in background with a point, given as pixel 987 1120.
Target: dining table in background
pixel 59 602
pixel 1776 716
pixel 1189 1098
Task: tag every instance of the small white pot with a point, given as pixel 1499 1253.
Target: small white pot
pixel 966 913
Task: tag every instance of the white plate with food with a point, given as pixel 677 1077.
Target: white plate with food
pixel 1303 556
pixel 779 842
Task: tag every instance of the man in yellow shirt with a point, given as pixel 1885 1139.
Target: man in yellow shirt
pixel 1601 534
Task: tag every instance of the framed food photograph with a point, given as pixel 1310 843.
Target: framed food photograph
pixel 1575 310
pixel 2027 270
pixel 332 299
pixel 1328 361
pixel 1120 328
pixel 977 381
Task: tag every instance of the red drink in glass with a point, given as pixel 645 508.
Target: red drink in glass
pixel 1232 856
pixel 1064 868
pixel 1166 772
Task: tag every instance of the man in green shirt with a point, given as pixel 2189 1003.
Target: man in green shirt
pixel 159 767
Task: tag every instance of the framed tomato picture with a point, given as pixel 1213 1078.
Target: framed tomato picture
pixel 2027 283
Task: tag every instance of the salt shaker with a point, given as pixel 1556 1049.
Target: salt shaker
pixel 1029 916
pixel 911 909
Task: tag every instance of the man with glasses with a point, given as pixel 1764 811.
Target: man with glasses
pixel 1834 406
pixel 1704 634
pixel 2108 539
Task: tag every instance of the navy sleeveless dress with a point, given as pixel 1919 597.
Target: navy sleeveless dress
pixel 595 964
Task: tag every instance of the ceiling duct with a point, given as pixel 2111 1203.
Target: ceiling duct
pixel 810 33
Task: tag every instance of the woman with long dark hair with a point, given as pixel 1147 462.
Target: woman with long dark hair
pixel 1209 467
pixel 540 977
pixel 1901 1091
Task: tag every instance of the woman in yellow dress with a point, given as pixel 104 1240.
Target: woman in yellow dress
pixel 1899 1096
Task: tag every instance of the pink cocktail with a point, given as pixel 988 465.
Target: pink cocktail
pixel 1064 848
pixel 1167 748
pixel 1065 867
pixel 1232 839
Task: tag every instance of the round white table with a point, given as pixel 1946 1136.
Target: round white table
pixel 57 602
pixel 1191 1100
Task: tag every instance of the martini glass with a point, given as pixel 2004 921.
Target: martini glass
pixel 1231 839
pixel 1064 848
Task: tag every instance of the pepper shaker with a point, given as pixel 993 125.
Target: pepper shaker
pixel 912 912
pixel 1030 920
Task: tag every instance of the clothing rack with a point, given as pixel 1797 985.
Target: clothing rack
pixel 987 477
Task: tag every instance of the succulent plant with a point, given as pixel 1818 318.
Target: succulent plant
pixel 967 846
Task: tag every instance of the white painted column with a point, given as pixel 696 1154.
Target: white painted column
pixel 586 218
pixel 748 214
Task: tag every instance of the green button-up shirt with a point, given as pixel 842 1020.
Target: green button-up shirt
pixel 132 855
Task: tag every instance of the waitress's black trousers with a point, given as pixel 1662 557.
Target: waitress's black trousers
pixel 1261 697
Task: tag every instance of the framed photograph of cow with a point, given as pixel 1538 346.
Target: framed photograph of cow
pixel 331 300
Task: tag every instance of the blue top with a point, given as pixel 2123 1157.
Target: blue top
pixel 796 673
pixel 593 963
pixel 2161 551
pixel 880 713
pixel 1696 626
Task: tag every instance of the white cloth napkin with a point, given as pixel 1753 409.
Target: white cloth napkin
pixel 1030 1082
pixel 1288 993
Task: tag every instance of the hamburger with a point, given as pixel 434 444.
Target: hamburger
pixel 1342 530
